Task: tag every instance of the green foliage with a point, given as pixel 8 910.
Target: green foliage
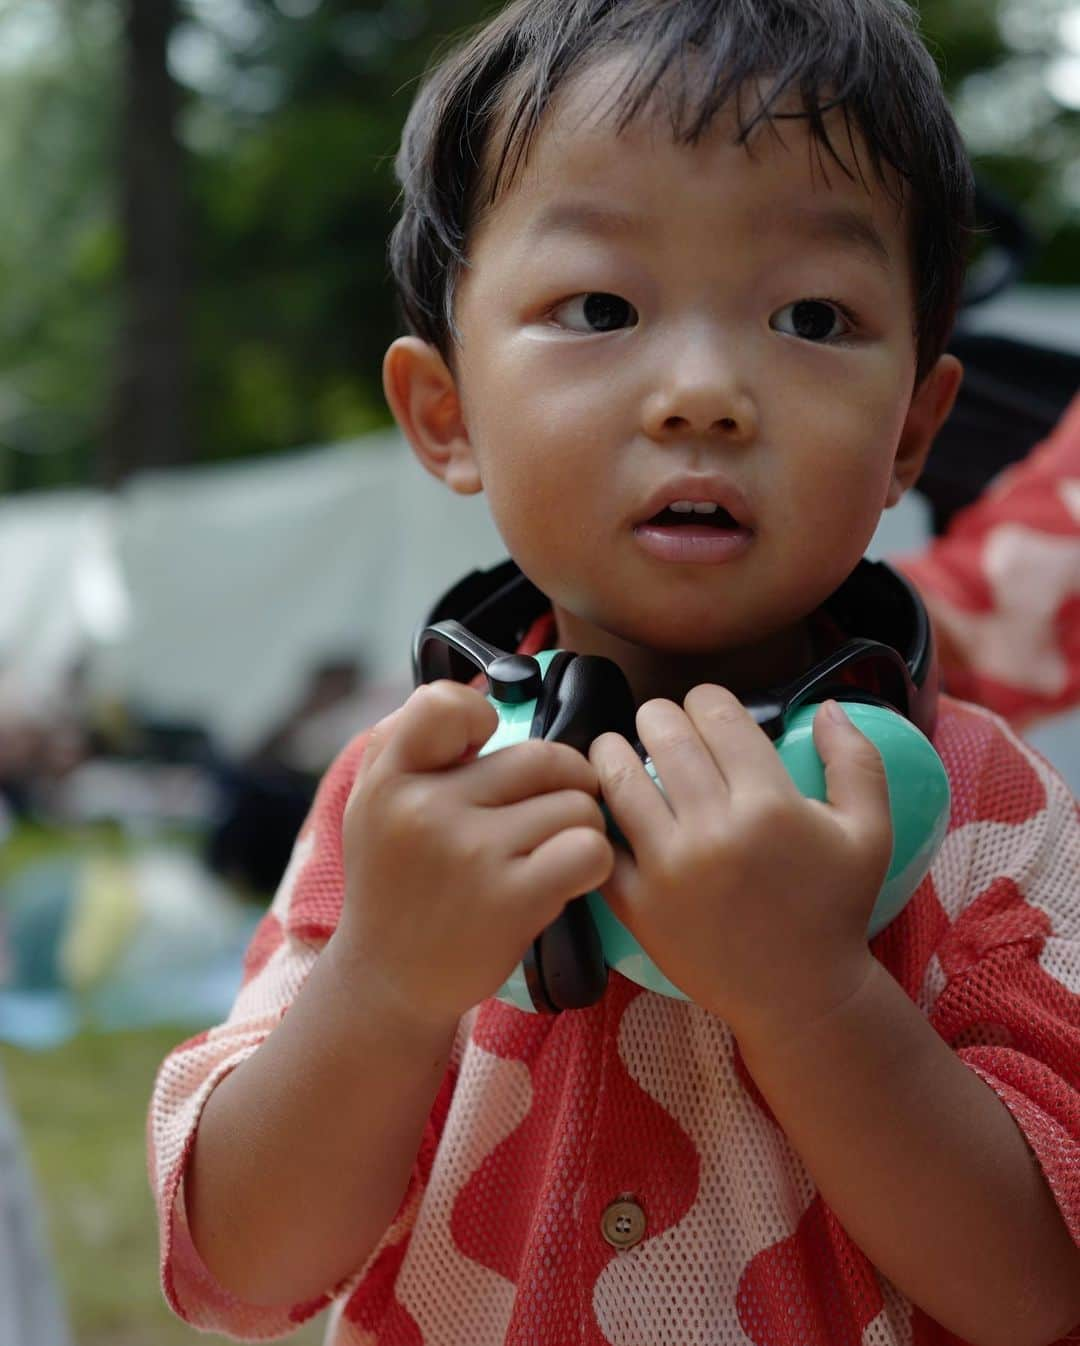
pixel 58 240
pixel 294 207
pixel 963 35
pixel 291 119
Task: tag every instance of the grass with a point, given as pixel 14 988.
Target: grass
pixel 82 1110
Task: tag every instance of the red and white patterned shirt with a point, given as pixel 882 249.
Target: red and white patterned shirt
pixel 543 1122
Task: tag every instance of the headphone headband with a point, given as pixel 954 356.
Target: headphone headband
pixel 889 632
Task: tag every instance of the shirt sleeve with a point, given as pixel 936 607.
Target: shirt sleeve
pixel 1007 967
pixel 1003 585
pixel 282 952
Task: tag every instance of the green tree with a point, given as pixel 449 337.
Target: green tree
pixel 293 177
pixel 58 241
pixel 148 414
pixel 289 122
pixel 1013 70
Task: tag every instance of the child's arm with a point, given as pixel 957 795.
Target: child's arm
pixel 304 1153
pixel 309 1125
pixel 924 1167
pixel 756 902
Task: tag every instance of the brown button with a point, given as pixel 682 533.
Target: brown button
pixel 623 1223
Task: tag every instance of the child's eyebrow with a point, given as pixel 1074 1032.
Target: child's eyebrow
pixel 827 224
pixel 838 224
pixel 586 217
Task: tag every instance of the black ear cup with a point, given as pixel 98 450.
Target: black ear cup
pixel 583 696
pixel 564 967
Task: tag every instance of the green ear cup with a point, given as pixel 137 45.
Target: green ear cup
pixel 919 795
pixel 919 799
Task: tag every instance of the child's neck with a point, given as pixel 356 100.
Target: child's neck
pixel 660 673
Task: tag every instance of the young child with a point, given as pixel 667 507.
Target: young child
pixel 656 253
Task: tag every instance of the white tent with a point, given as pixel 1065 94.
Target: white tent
pixel 244 576
pixel 62 592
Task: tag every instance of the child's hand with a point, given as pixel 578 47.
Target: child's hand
pixel 753 899
pixel 453 862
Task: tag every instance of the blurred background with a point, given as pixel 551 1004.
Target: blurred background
pixel 213 545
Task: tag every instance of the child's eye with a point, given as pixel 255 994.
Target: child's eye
pixel 595 312
pixel 812 320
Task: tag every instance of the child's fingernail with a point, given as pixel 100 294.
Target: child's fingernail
pixel 836 712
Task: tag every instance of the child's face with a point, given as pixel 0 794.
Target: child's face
pixel 643 321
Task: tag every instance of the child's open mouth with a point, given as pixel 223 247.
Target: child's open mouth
pixel 700 516
pixel 705 535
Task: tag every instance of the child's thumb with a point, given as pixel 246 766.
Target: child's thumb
pixel 855 779
pixel 379 736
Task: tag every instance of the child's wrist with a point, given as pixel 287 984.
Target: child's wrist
pixel 778 1029
pixel 376 994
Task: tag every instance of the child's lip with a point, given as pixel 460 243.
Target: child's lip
pixel 700 488
pixel 694 546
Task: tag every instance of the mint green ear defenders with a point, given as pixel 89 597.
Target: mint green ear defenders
pixel 919 800
pixel 882 668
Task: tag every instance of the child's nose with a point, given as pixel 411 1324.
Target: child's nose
pixel 703 398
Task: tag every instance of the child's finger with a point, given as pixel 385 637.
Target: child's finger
pixel 569 864
pixel 855 780
pixel 525 825
pixel 525 770
pixel 439 725
pixel 638 808
pixel 740 749
pixel 623 888
pixel 378 737
pixel 681 758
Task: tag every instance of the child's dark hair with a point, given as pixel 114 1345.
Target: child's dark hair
pixel 864 56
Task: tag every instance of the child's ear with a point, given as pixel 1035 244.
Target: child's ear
pixel 931 403
pixel 423 396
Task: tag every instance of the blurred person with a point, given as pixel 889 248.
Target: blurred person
pixel 1003 585
pixel 266 796
pixel 42 741
pixel 30 1311
pixel 36 756
pixel 338 696
pixel 20 751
